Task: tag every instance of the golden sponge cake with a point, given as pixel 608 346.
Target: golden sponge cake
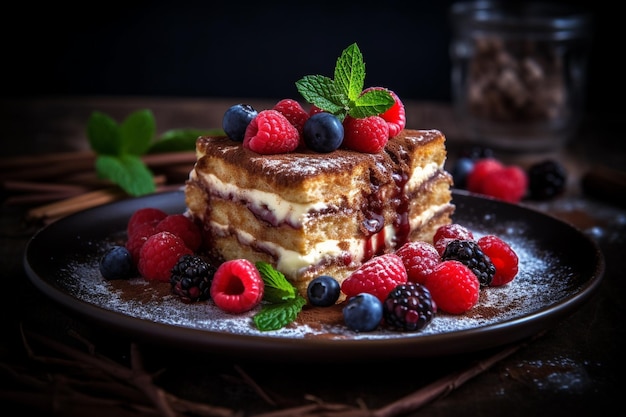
pixel 311 213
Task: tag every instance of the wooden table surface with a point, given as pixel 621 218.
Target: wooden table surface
pixel 575 368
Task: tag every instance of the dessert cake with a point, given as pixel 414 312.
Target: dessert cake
pixel 311 214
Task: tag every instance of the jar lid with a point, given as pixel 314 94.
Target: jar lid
pixel 531 19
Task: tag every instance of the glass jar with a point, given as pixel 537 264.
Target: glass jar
pixel 519 72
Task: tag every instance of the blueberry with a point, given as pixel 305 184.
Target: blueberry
pixel 236 119
pixel 461 169
pixel 323 132
pixel 363 312
pixel 323 291
pixel 117 263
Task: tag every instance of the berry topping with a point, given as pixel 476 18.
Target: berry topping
pixel 117 263
pixel 294 112
pixel 453 287
pixel 323 132
pixel 236 120
pixel 363 312
pixel 146 215
pixel 419 259
pixel 546 179
pixel 183 227
pixel 448 232
pixel 191 278
pixel 504 259
pixel 378 277
pixel 408 307
pixel 237 286
pixel 369 134
pixel 159 255
pixel 270 133
pixel 470 254
pixel 395 116
pixel 323 291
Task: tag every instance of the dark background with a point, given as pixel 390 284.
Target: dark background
pixel 232 49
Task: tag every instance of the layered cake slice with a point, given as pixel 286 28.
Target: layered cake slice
pixel 310 213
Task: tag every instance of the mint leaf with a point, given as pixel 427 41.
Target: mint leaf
pixel 103 134
pixel 128 171
pixel 276 316
pixel 277 287
pixel 344 95
pixel 350 72
pixel 137 132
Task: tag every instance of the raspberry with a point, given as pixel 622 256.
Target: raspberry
pixel 395 116
pixel 482 167
pixel 140 234
pixel 378 277
pixel 183 227
pixel 144 215
pixel 191 278
pixel 294 112
pixel 368 135
pixel 449 232
pixel 503 257
pixel 159 255
pixel 470 254
pixel 314 110
pixel 270 133
pixel 408 307
pixel 237 286
pixel 419 259
pixel 508 184
pixel 453 287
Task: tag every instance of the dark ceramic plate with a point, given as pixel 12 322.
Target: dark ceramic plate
pixel 560 269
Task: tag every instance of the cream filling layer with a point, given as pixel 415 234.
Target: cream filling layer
pixel 290 262
pixel 285 210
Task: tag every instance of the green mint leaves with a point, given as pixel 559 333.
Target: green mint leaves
pixel 343 94
pixel 283 301
pixel 119 148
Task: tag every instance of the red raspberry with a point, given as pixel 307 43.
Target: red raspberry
pixel 183 227
pixel 314 110
pixel 144 215
pixel 508 184
pixel 270 133
pixel 159 255
pixel 453 287
pixel 503 257
pixel 237 286
pixel 395 116
pixel 419 259
pixel 378 276
pixel 368 135
pixel 141 233
pixel 294 112
pixel 482 167
pixel 448 232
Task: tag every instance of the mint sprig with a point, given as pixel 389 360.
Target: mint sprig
pixel 119 148
pixel 343 95
pixel 283 302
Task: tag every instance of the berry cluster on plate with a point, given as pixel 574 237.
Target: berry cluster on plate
pixel 401 291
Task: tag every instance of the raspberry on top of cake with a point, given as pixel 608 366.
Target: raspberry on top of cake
pixel 319 192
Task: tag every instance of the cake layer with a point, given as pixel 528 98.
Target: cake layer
pixel 309 213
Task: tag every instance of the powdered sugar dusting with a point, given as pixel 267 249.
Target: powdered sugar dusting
pixel 543 281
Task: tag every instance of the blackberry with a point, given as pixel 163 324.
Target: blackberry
pixel 191 278
pixel 408 307
pixel 471 255
pixel 546 179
